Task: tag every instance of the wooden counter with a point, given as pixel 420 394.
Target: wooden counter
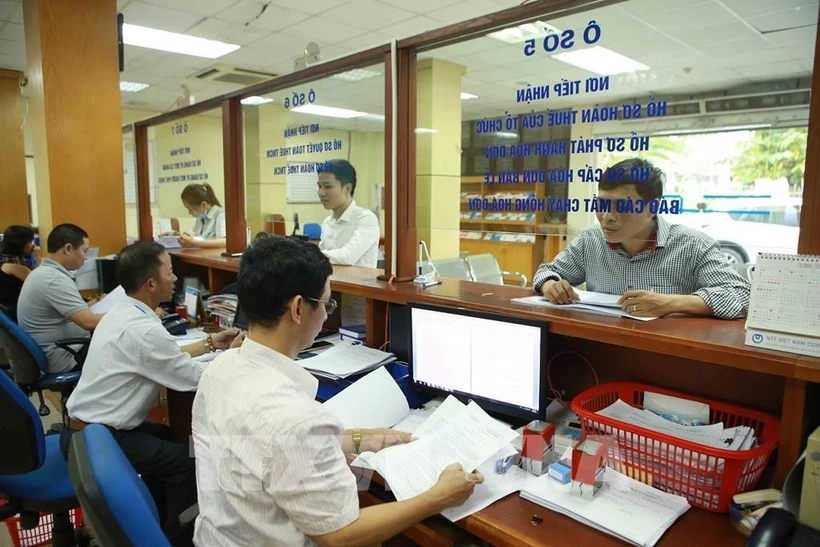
pixel 695 355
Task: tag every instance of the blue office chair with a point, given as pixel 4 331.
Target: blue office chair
pixel 116 504
pixel 312 230
pixel 33 472
pixel 30 367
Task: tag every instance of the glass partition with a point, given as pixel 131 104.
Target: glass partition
pixel 314 164
pixel 516 128
pixel 129 170
pixel 187 179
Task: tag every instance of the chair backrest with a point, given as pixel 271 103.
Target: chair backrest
pixel 21 431
pixel 27 360
pixel 116 504
pixel 485 269
pixel 453 268
pixel 745 270
pixel 313 230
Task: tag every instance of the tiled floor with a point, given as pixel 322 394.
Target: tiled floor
pixel 53 418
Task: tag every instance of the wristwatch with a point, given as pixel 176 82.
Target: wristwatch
pixel 357 440
pixel 209 343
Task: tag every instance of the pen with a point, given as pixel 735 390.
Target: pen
pixel 431 284
pixel 419 257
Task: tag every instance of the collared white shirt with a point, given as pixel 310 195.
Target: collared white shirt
pixel 353 238
pixel 212 225
pixel 269 463
pixel 131 355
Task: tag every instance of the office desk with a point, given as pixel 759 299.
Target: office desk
pixel 697 355
pixel 508 523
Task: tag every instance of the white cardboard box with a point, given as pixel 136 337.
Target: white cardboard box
pixel 780 341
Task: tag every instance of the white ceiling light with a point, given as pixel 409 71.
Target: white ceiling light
pixel 356 74
pixel 132 87
pixel 600 60
pixel 374 117
pixel 330 111
pixel 724 129
pixel 425 130
pixel 522 33
pixel 150 38
pixel 254 100
pixel 505 135
pixel 468 96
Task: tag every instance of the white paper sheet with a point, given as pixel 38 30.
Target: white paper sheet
pixel 624 507
pixel 446 413
pixel 374 400
pixel 494 487
pixel 599 299
pixel 108 302
pixel 687 410
pixel 413 468
pixel 604 310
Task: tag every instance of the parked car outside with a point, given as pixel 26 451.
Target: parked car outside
pixel 746 227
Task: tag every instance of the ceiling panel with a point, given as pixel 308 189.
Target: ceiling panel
pixel 324 31
pixel 12 63
pixel 11 11
pixel 772 71
pixel 12 49
pixel 466 9
pixel 12 32
pixel 420 6
pixel 252 14
pixel 148 15
pixel 689 17
pixel 704 37
pixel 786 19
pixel 369 14
pixel 227 31
pixel 753 8
pixel 802 38
pixel 313 7
pixel 205 8
pixel 410 27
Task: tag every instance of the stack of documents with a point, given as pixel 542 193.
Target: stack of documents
pixel 223 307
pixel 446 434
pixel 595 302
pixel 625 508
pixel 454 433
pixel 658 461
pixel 346 359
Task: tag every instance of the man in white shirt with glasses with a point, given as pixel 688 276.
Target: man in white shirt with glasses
pixel 271 461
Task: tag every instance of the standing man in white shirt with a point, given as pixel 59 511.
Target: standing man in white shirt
pixel 130 357
pixel 350 234
pixel 271 461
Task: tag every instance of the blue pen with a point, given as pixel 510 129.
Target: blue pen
pixel 420 247
pixel 503 464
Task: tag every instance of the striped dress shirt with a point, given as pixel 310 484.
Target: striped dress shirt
pixel 682 260
pixel 269 463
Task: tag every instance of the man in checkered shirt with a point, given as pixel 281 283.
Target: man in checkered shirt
pixel 659 268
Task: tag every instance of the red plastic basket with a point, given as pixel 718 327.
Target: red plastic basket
pixel 40 534
pixel 708 477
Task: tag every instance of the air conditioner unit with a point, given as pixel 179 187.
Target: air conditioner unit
pixel 228 74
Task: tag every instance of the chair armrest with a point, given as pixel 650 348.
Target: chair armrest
pixel 79 354
pixel 521 277
pixel 187 517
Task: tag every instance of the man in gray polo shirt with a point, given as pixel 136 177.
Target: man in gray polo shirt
pixel 50 307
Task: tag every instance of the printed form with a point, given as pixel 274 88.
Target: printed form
pixel 470 438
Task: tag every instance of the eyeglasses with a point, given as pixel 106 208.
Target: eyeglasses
pixel 330 305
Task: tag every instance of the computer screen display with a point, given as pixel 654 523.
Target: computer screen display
pixel 496 360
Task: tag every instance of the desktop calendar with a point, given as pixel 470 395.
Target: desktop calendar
pixel 786 294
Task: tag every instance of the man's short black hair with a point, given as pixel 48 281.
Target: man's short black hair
pixel 64 234
pixel 647 179
pixel 343 170
pixel 137 263
pixel 273 271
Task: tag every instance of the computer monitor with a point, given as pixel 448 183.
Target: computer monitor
pixel 496 360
